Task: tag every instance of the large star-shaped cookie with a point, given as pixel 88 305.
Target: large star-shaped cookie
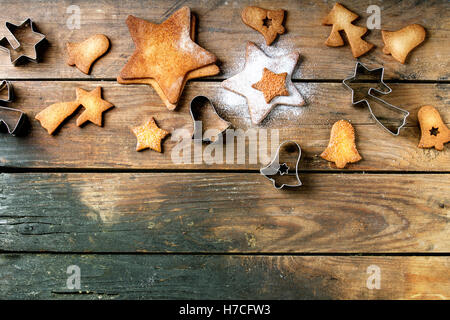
pixel 165 52
pixel 94 106
pixel 255 62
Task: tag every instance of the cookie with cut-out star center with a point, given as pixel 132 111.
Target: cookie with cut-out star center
pixel 165 52
pixel 255 62
pixel 267 22
pixel 149 136
pixel 93 104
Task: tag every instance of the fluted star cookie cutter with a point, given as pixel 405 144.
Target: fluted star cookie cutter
pixel 377 73
pixel 5 43
pixel 17 114
pixel 275 168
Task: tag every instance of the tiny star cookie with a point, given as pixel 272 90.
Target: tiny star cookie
pixel 255 63
pixel 149 136
pixel 272 85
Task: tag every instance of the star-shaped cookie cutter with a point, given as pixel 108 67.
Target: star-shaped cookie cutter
pixel 20 115
pixel 379 74
pixel 275 167
pixel 4 42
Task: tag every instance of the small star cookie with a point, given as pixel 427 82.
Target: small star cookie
pixel 149 136
pixel 272 85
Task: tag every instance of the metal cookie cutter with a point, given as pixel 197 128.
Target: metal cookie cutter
pixel 202 109
pixel 5 44
pixel 275 169
pixel 378 73
pixel 17 116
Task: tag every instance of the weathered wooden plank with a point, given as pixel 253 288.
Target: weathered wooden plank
pixel 44 276
pixel 217 212
pixel 222 32
pixel 114 145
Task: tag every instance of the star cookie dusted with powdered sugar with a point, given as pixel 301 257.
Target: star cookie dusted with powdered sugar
pixel 244 82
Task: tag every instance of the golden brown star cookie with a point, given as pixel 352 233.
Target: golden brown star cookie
pixel 341 19
pixel 267 22
pixel 341 148
pixel 149 136
pixel 401 42
pixel 206 71
pixel 165 52
pixel 94 106
pixel 434 131
pixel 272 85
pixel 83 54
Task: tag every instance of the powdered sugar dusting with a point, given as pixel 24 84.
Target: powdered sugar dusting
pixel 256 61
pixel 233 107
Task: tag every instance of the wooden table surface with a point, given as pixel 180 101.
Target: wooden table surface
pixel 140 226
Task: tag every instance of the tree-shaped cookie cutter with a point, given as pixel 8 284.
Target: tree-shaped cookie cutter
pixel 379 74
pixel 276 168
pixel 4 42
pixel 3 109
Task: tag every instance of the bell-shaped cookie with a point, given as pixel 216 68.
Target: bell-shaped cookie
pixel 341 148
pixel 434 131
pixel 83 54
pixel 401 42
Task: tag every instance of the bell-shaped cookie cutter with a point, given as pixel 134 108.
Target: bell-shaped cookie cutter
pixel 4 42
pixel 196 103
pixel 379 73
pixel 274 167
pixel 20 115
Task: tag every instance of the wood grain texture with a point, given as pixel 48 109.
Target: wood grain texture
pixel 113 146
pixel 43 276
pixel 223 212
pixel 221 31
pixel 221 231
